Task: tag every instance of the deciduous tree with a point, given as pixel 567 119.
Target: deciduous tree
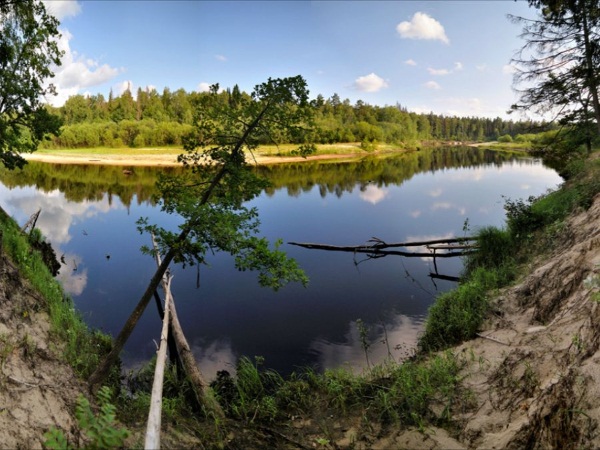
pixel 28 50
pixel 211 195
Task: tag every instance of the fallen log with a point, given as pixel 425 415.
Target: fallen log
pixel 378 251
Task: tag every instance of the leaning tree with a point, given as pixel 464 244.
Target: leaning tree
pixel 211 195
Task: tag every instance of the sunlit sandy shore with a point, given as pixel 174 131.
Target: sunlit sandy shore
pixel 165 160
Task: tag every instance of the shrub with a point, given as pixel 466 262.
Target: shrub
pixel 457 315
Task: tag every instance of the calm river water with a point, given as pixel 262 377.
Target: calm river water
pixel 89 215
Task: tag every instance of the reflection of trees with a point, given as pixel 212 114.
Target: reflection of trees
pixel 336 178
pixel 92 182
pixel 87 182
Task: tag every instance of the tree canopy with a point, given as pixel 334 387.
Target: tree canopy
pixel 558 67
pixel 28 50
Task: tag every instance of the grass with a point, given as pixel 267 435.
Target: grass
pixel 415 393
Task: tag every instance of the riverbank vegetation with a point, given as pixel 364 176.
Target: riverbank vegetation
pixel 339 407
pixel 82 347
pixel 152 119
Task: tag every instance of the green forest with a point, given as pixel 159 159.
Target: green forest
pixel 151 119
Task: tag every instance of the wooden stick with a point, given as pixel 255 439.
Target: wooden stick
pixel 152 440
pixel 491 339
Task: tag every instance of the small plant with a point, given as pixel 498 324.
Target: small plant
pixel 323 442
pixel 457 315
pixel 251 395
pixel 100 431
pixel 363 333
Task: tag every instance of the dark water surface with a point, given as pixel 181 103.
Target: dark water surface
pixel 89 215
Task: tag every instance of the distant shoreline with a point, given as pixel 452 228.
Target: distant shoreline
pixel 168 160
pixel 349 151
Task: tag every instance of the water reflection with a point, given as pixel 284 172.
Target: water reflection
pixel 88 215
pixel 392 340
pixel 373 194
pixel 57 222
pixel 373 174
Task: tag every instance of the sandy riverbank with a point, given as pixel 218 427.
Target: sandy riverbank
pixel 166 160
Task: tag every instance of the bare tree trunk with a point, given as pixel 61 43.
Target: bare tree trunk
pixel 152 440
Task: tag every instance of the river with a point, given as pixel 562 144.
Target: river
pixel 89 215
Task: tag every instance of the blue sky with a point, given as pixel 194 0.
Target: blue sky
pixel 449 57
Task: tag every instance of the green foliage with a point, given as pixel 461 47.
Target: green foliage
pixel 251 396
pixel 565 33
pixel 417 392
pixel 526 217
pixel 495 251
pixel 505 138
pixel 210 196
pixel 420 392
pixel 28 49
pixel 55 439
pixel 100 430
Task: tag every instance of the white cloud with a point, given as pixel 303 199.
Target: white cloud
pixel 370 83
pixel 220 58
pixel 464 106
pixel 422 26
pixel 482 67
pixel 438 71
pixel 423 109
pixel 121 87
pixel 410 62
pixel 424 238
pixel 77 72
pixel 508 69
pixel 432 85
pixel 436 192
pixel 458 66
pixel 62 9
pixel 203 87
pixel 441 205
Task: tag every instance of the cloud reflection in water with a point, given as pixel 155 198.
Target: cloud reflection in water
pixel 402 336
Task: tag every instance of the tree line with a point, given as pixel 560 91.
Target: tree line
pixel 152 119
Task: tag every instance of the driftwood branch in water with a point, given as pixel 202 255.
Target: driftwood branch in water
pixel 453 246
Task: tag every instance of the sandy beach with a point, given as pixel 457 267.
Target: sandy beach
pixel 165 160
